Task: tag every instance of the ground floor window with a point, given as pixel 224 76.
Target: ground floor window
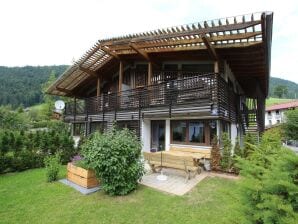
pixel 193 132
pixel 78 129
pixel 131 125
pixel 98 126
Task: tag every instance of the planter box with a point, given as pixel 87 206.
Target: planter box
pixel 80 176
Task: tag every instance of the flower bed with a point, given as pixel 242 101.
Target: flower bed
pixel 80 176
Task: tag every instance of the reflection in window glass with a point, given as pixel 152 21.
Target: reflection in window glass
pixel 179 131
pixel 196 132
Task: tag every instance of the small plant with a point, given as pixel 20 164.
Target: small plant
pixel 52 164
pixel 226 159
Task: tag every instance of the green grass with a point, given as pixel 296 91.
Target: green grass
pixel 27 198
pixel 272 101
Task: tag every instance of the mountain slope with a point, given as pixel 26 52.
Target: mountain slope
pixel 22 85
pixel 292 87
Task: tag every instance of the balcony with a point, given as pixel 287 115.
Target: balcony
pixel 208 90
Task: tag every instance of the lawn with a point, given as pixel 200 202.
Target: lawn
pixel 272 101
pixel 26 198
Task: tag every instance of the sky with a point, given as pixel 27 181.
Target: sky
pixel 54 32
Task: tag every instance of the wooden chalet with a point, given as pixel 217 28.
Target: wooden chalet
pixel 176 87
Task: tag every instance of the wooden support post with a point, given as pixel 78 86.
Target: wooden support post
pixel 98 87
pixel 216 67
pixel 120 77
pixel 149 72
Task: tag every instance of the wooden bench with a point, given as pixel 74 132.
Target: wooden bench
pixel 164 160
pixel 203 153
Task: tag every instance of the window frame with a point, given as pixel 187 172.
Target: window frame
pixel 187 142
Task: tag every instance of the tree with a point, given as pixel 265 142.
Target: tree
pixel 280 91
pixel 215 154
pixel 291 125
pixel 226 158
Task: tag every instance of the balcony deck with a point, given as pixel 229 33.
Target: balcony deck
pixel 198 95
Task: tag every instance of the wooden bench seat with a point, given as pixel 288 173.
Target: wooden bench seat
pixel 165 160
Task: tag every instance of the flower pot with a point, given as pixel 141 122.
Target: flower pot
pixel 82 177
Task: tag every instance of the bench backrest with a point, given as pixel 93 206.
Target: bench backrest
pixel 205 152
pixel 169 160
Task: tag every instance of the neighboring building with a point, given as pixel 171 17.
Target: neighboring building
pixel 176 87
pixel 275 114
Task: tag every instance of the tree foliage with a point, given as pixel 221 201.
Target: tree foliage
pixel 22 85
pixel 226 158
pixel 291 125
pixel 269 186
pixel 215 154
pixel 116 158
pixel 280 91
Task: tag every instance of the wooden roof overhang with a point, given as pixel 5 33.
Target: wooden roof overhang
pixel 243 41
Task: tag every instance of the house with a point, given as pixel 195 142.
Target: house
pixel 176 86
pixel 275 114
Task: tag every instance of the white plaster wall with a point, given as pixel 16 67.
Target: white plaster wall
pixel 274 117
pixel 234 133
pixel 146 135
pixel 168 135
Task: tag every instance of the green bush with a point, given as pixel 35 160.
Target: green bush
pixel 116 158
pixel 52 164
pixel 215 154
pixel 226 158
pixel 269 186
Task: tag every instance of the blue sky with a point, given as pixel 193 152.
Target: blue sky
pixel 47 32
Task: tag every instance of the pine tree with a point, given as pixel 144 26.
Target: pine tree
pixel 248 145
pixel 226 153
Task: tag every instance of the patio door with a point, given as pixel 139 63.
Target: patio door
pixel 158 135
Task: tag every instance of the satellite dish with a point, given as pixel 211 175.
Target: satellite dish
pixel 59 105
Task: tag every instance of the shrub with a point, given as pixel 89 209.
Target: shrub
pixel 248 142
pixel 269 187
pixel 116 158
pixel 52 164
pixel 291 125
pixel 226 158
pixel 215 154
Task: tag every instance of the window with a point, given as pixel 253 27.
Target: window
pixel 269 113
pixel 270 122
pixel 192 132
pixel 277 112
pixel 278 121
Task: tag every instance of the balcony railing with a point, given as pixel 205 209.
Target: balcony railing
pixel 199 90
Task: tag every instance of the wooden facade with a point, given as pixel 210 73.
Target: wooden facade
pixel 216 70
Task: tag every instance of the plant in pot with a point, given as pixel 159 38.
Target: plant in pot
pixel 79 172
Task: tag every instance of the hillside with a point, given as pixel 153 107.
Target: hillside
pixel 22 85
pixel 292 87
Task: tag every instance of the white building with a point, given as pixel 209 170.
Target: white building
pixel 275 114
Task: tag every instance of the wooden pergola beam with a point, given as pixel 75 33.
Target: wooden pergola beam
pixel 88 71
pixel 64 90
pixel 139 51
pixel 210 48
pixel 108 51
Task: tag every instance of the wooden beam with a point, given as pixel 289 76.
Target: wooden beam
pixel 88 71
pixel 150 71
pixel 108 51
pixel 63 90
pixel 98 87
pixel 120 77
pixel 141 52
pixel 210 48
pixel 216 67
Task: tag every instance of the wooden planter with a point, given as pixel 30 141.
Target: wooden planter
pixel 80 176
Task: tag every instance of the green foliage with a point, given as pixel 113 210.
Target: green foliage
pixel 248 145
pixel 237 149
pixel 280 91
pixel 116 158
pixel 292 87
pixel 269 187
pixel 226 158
pixel 215 154
pixel 22 85
pixel 52 164
pixel 10 119
pixel 291 125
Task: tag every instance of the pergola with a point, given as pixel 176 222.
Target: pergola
pixel 244 42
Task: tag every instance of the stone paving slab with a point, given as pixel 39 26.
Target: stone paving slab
pixel 83 190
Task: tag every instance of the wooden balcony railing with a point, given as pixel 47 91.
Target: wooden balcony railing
pixel 199 90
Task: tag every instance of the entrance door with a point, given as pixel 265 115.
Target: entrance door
pixel 158 135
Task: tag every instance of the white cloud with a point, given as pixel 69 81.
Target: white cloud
pixel 35 32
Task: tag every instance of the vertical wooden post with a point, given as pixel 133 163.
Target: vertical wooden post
pixel 216 67
pixel 98 87
pixel 120 77
pixel 149 73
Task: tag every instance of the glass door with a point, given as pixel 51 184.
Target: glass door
pixel 157 135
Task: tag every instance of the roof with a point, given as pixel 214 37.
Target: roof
pixel 292 104
pixel 244 41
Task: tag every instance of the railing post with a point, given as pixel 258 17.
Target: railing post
pixel 75 109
